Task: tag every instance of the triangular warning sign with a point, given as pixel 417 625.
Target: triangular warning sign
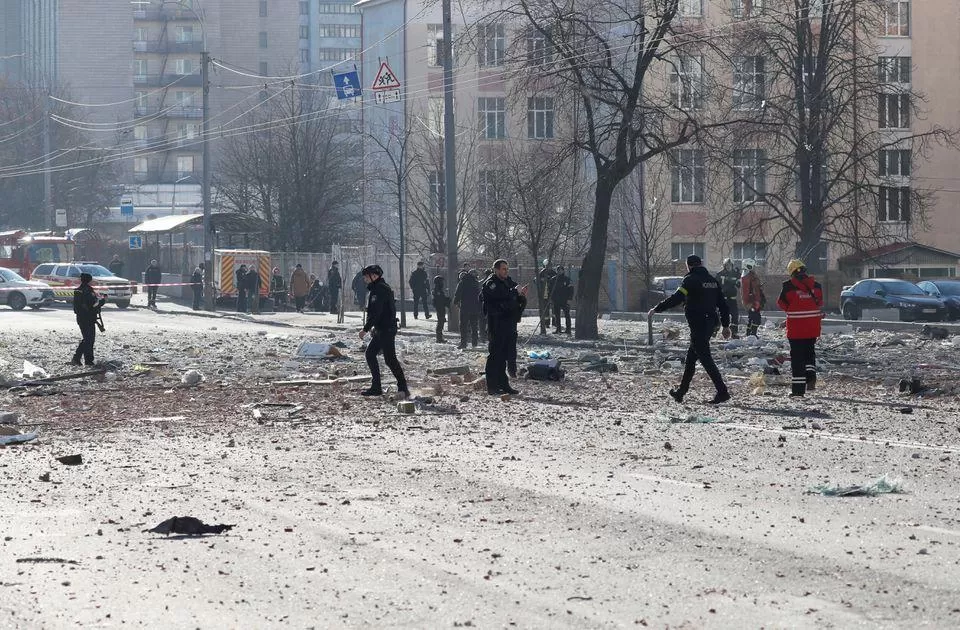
pixel 386 79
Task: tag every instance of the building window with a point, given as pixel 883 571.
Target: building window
pixel 140 34
pixel 894 111
pixel 183 66
pixel 747 8
pixel 142 100
pixel 184 166
pixel 140 132
pixel 540 116
pixel 539 48
pixel 338 54
pixel 493 41
pixel 894 204
pixel 686 82
pixel 263 8
pixel 140 165
pixel 757 251
pixel 337 7
pixel 748 83
pixel 184 34
pixel 263 39
pixel 435 192
pixel 749 177
pixel 263 69
pixel 680 251
pixel 435 45
pixel 824 181
pixel 690 8
pixel 304 32
pixel 493 117
pixel 184 98
pixel 339 30
pixel 187 131
pixel 895 69
pixel 488 198
pixel 140 67
pixel 897 18
pixel 894 163
pixel 304 7
pixel 435 114
pixel 304 55
pixel 688 176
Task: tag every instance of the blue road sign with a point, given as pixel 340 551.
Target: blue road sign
pixel 348 85
pixel 136 242
pixel 126 207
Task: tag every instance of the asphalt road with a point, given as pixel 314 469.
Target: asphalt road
pixel 576 505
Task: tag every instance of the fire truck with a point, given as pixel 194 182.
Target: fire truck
pixel 22 251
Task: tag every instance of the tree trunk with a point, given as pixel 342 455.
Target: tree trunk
pixel 591 271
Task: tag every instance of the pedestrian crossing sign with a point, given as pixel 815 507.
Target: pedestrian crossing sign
pixel 386 79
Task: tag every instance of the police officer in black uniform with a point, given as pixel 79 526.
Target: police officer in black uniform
pixel 441 302
pixel 503 303
pixel 560 292
pixel 702 297
pixel 86 305
pixel 382 320
pixel 467 297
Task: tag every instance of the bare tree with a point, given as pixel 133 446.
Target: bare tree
pixel 836 129
pixel 597 56
pixel 646 227
pixel 297 173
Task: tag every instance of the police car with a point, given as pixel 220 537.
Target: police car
pixel 65 277
pixel 18 293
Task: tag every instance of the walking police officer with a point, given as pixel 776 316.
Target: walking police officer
pixel 382 321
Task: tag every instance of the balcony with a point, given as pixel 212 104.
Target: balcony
pixel 162 80
pixel 154 176
pixel 167 11
pixel 168 47
pixel 173 111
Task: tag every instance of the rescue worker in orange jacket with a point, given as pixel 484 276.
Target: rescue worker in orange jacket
pixel 802 299
pixel 751 294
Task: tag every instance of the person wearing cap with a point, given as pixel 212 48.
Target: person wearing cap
pixel 116 266
pixel 278 290
pixel 420 287
pixel 334 284
pixel 751 291
pixel 299 287
pixel 702 297
pixel 503 303
pixel 86 306
pixel 729 279
pixel 801 298
pixel 381 320
pixel 561 290
pixel 152 276
pixel 440 302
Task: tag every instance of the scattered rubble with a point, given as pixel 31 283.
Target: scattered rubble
pixel 883 485
pixel 188 526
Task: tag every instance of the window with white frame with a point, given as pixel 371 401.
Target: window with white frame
pixel 749 82
pixel 894 111
pixel 894 163
pixel 747 8
pixel 686 82
pixel 140 132
pixel 540 116
pixel 262 36
pixel 435 114
pixel 140 34
pixel 824 180
pixel 435 45
pixel 141 166
pixel 339 30
pixel 687 175
pixel 304 7
pixel 749 176
pixel 895 69
pixel 338 54
pixel 488 197
pixel 539 48
pixel 305 56
pixel 337 7
pixel 304 31
pixel 896 19
pixel 493 117
pixel 184 165
pixel 894 204
pixel 690 8
pixel 183 66
pixel 680 250
pixel 757 251
pixel 188 131
pixel 435 192
pixel 183 98
pixel 185 33
pixel 493 43
pixel 140 67
pixel 142 101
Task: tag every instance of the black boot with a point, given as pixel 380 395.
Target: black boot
pixel 372 391
pixel 721 397
pixel 677 395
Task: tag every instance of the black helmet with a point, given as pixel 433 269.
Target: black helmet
pixel 438 279
pixel 85 278
pixel 372 270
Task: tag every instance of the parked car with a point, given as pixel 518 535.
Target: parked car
pixel 663 287
pixel 17 292
pixel 876 293
pixel 65 277
pixel 948 291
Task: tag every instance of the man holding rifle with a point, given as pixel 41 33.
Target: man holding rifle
pixel 87 305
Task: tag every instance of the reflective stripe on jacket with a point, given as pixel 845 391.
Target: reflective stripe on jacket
pixel 801 299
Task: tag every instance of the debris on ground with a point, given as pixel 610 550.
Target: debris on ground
pixel 693 419
pixel 17 438
pixel 314 350
pixel 600 366
pixel 33 371
pixel 191 378
pixel 188 526
pixel 545 370
pixel 406 407
pixel 71 460
pixel 883 485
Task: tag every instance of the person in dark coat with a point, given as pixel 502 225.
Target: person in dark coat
pixel 278 290
pixel 359 290
pixel 702 297
pixel 86 306
pixel 545 279
pixel 729 279
pixel 503 303
pixel 334 284
pixel 467 298
pixel 440 302
pixel 560 293
pixel 116 266
pixel 420 287
pixel 253 289
pixel 196 283
pixel 317 298
pixel 381 319
pixel 152 276
pixel 241 284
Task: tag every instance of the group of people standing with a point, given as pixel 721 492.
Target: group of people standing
pixel 555 291
pixel 742 287
pixel 302 288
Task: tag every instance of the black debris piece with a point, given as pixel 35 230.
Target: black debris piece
pixel 188 526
